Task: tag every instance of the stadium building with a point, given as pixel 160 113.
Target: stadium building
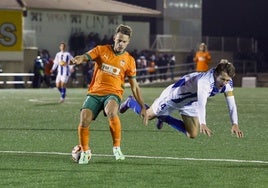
pixel 165 26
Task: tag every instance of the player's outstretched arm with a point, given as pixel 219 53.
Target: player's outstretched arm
pixel 235 130
pixel 205 130
pixel 137 94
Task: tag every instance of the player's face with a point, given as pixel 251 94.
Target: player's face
pixel 62 47
pixel 222 80
pixel 202 48
pixel 120 42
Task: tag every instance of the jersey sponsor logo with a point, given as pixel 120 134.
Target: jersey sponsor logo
pixel 110 69
pixel 201 58
pixel 63 63
pixel 105 56
pixel 122 63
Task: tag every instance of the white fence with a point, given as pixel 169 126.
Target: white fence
pixel 173 43
pixel 17 79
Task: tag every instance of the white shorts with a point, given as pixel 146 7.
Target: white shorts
pixel 163 106
pixel 62 78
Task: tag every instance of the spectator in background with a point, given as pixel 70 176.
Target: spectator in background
pixel 97 39
pixel 48 63
pixel 143 67
pixel 74 43
pixel 190 60
pixel 162 66
pixel 172 61
pixel 87 69
pixel 202 58
pixel 81 45
pixel 151 69
pixel 138 67
pixel 73 70
pixel 135 54
pixel 105 40
pixel 90 72
pixel 90 42
pixel 38 71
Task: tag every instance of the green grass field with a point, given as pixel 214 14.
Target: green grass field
pixel 37 136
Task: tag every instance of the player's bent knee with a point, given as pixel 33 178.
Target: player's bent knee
pixel 86 117
pixel 111 114
pixel 192 135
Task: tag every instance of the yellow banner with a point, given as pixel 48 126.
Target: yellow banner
pixel 10 30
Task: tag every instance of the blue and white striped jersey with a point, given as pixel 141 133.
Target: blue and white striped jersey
pixel 193 90
pixel 197 85
pixel 61 62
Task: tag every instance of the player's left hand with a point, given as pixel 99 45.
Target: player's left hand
pixel 205 130
pixel 235 130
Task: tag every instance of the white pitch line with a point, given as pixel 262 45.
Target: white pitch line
pixel 144 157
pixel 200 159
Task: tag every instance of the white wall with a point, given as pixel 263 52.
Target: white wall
pixel 141 35
pixel 48 28
pixel 52 27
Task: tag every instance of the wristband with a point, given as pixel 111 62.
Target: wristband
pixel 87 56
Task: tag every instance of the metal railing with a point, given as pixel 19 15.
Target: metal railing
pixel 173 43
pixel 245 66
pixel 18 80
pixel 161 74
pixel 164 73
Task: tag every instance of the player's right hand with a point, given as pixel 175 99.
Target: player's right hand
pixel 235 130
pixel 78 59
pixel 205 130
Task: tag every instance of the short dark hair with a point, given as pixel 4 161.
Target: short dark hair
pixel 225 66
pixel 62 42
pixel 124 29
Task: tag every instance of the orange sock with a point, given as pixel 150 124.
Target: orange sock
pixel 115 128
pixel 83 134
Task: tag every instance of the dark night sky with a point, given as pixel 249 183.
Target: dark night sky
pixel 239 18
pixel 236 18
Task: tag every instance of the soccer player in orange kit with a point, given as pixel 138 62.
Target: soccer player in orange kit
pixel 113 65
pixel 202 58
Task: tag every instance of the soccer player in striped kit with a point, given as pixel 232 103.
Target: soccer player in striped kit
pixel 189 97
pixel 61 63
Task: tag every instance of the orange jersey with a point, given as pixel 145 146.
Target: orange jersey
pixel 202 60
pixel 110 71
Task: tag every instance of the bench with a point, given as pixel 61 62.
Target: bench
pixel 16 79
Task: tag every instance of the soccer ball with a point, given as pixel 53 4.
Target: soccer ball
pixel 76 153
